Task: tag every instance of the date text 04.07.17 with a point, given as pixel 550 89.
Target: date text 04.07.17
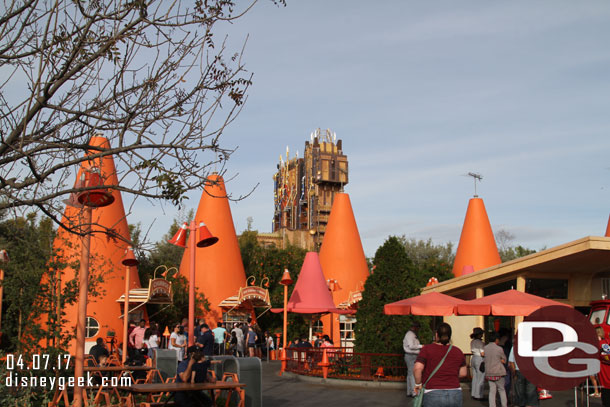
pixel 38 361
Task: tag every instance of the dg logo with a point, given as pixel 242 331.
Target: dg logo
pixel 556 348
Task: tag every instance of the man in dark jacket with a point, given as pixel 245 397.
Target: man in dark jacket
pixel 205 341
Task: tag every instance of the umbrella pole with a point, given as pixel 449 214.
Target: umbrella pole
pixel 310 328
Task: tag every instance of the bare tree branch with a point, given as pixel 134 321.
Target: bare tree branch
pixel 146 74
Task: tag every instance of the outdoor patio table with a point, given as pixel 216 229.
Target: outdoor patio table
pixel 150 388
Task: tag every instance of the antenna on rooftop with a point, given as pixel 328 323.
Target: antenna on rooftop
pixel 476 177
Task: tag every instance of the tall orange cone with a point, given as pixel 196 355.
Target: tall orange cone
pixel 324 364
pixel 608 228
pixel 477 247
pixel 342 257
pixel 219 271
pixel 283 358
pixel 107 253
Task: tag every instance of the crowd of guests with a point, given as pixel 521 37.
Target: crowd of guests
pixel 438 368
pixel 238 339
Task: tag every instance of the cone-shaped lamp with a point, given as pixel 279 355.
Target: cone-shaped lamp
pixel 342 256
pixel 130 260
pixel 98 196
pixel 179 238
pixel 477 247
pixel 219 268
pixel 205 237
pixel 286 279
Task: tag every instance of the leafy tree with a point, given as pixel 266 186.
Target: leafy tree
pixel 394 278
pixel 28 244
pixel 148 75
pixel 430 260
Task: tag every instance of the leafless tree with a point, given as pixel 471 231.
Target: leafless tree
pixel 148 75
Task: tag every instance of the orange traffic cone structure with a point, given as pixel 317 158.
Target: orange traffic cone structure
pixel 342 257
pixel 477 247
pixel 109 237
pixel 608 228
pixel 283 358
pixel 379 373
pixel 324 364
pixel 219 271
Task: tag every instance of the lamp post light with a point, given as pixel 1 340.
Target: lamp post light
pixel 285 281
pixel 333 285
pixel 205 239
pixel 3 259
pixel 129 261
pixel 95 196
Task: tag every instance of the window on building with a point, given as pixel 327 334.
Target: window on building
pixel 92 327
pixel 547 287
pixel 318 326
pixel 346 330
pixel 231 317
pixel 500 287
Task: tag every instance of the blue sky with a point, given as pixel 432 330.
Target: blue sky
pixel 422 93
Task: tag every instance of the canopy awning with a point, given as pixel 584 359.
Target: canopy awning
pixel 352 300
pixel 159 291
pixel 248 297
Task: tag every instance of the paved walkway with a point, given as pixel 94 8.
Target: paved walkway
pixel 292 391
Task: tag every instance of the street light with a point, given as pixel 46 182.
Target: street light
pixel 205 239
pixel 95 196
pixel 129 261
pixel 285 281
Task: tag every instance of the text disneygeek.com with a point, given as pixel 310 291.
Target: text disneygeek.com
pixel 16 380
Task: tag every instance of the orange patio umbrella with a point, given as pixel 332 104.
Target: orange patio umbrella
pixel 431 304
pixel 506 303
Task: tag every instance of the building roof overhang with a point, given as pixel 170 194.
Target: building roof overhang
pixel 588 255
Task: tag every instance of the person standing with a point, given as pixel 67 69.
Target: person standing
pixel 252 336
pixel 177 341
pixel 478 377
pixel 604 371
pixel 136 337
pixel 219 339
pixel 151 340
pixel 205 342
pixel 495 371
pixel 442 388
pixel 239 348
pixel 526 394
pixel 411 346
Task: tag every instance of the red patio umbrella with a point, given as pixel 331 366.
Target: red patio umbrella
pixel 433 304
pixel 505 303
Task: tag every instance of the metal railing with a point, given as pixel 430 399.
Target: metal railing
pixel 347 364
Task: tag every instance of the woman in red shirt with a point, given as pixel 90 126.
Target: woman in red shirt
pixel 443 389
